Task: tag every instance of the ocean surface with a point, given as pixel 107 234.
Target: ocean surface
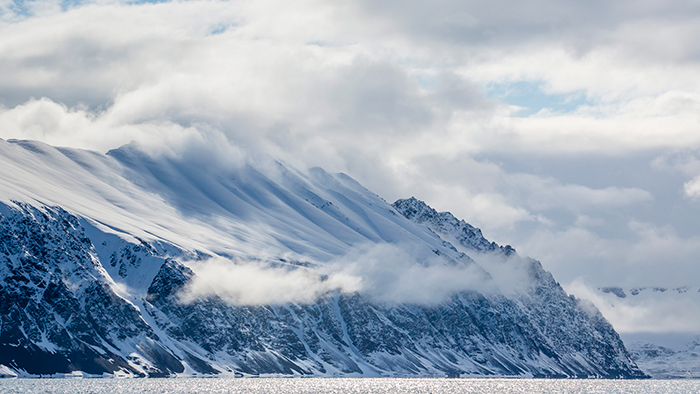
pixel 344 386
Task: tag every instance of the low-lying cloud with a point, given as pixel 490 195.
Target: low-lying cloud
pixel 395 273
pixel 251 283
pixel 511 274
pixel 383 273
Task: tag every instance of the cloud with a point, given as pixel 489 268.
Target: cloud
pixel 501 201
pixel 398 273
pixel 692 187
pixel 507 26
pixel 511 275
pixel 311 78
pixel 649 256
pixel 56 124
pixel 383 273
pixel 648 312
pixel 685 162
pixel 251 283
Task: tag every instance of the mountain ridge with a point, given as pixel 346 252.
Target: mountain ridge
pixel 98 250
pixel 664 363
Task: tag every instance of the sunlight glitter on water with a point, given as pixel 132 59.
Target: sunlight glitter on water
pixel 345 386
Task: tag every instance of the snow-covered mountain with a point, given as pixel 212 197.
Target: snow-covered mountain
pixel 159 264
pixel 664 363
pixel 646 292
pixel 662 333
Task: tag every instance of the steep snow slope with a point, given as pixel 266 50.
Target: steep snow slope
pixel 235 211
pixel 94 256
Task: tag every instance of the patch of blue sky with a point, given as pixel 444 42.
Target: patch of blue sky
pixel 24 8
pixel 221 28
pixel 428 81
pixel 532 97
pixel 68 4
pixel 20 8
pixel 317 43
pixel 147 1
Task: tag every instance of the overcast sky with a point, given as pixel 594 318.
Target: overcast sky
pixel 568 129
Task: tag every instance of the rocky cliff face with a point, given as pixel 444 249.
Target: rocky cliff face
pixel 456 231
pixel 576 331
pixel 61 313
pixel 86 290
pixel 59 310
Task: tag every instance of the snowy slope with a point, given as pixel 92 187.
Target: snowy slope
pixel 233 211
pixel 96 252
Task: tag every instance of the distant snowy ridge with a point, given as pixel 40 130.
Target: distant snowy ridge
pixel 650 309
pixel 660 324
pixel 96 252
pixel 664 363
pixel 635 291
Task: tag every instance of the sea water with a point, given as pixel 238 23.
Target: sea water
pixel 345 386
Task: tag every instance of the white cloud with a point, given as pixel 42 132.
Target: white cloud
pixel 692 187
pixel 648 312
pixel 396 273
pixel 648 256
pixel 56 124
pixel 500 202
pixel 684 161
pixel 585 221
pixel 259 284
pixel 383 272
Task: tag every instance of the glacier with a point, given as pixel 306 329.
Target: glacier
pixel 98 253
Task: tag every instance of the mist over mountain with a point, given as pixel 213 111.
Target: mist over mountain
pixel 163 263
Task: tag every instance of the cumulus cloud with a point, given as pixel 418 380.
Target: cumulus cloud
pixel 514 24
pixel 310 74
pixel 685 161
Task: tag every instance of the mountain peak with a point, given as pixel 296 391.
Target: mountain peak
pixel 447 225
